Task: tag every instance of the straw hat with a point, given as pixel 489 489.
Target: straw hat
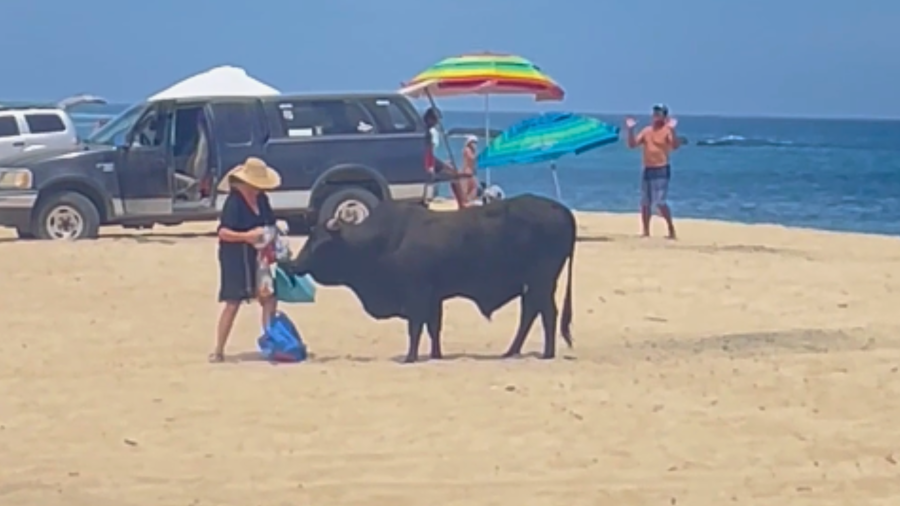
pixel 471 139
pixel 255 173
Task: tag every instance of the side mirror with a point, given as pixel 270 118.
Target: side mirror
pixel 124 141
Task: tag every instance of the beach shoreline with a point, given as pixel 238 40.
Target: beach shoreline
pixel 742 363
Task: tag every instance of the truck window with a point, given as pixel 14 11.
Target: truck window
pixel 8 126
pixel 44 123
pixel 114 131
pixel 234 122
pixel 391 117
pixel 150 131
pixel 312 118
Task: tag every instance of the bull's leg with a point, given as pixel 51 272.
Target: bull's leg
pixel 527 313
pixel 419 309
pixel 435 324
pixel 414 327
pixel 549 314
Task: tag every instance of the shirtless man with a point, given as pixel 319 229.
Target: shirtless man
pixel 657 140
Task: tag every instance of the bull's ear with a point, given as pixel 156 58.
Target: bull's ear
pixel 333 225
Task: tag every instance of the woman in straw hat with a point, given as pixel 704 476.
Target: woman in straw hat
pixel 246 218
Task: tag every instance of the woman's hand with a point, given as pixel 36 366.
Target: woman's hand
pixel 255 235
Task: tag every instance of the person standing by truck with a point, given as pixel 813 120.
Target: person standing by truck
pixel 435 165
pixel 470 162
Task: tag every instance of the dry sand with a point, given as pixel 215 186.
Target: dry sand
pixel 739 365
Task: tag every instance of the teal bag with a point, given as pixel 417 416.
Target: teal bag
pixel 294 289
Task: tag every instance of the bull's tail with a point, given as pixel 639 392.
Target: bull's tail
pixel 565 325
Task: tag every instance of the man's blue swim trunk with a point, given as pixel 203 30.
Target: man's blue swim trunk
pixel 655 186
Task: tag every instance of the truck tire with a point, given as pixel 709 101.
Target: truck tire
pixel 66 216
pixel 352 205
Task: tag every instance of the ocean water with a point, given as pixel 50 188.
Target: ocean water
pixel 841 175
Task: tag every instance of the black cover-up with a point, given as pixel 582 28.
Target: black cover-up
pixel 237 261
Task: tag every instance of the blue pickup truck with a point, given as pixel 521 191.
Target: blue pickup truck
pixel 339 155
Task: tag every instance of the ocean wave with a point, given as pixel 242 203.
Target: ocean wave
pixel 741 141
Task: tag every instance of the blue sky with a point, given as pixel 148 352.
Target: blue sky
pixel 765 57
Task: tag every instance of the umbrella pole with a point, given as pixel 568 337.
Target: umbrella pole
pixel 555 181
pixel 487 132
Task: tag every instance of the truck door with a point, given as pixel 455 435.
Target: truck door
pixel 145 179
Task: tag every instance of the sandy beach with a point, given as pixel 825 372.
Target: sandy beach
pixel 739 365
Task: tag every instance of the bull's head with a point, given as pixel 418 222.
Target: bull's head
pixel 323 256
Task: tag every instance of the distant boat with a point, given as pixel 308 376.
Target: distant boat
pixel 739 140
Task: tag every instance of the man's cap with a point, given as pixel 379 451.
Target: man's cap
pixel 661 108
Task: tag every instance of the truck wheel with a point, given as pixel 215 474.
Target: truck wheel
pixel 350 205
pixel 66 216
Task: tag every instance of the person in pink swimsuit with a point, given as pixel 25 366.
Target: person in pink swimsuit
pixel 657 141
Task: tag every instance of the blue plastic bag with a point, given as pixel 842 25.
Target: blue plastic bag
pixel 281 341
pixel 294 289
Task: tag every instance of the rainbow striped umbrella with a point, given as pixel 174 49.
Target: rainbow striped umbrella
pixel 484 74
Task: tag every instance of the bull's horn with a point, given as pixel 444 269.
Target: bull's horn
pixel 333 224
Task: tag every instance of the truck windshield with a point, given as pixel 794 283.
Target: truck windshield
pixel 113 132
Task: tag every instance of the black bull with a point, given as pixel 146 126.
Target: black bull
pixel 405 260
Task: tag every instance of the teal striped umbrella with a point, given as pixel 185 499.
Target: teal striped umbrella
pixel 547 138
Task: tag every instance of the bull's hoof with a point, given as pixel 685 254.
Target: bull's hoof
pixel 437 356
pixel 511 354
pixel 548 355
pixel 410 359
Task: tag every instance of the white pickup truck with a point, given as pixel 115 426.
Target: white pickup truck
pixel 29 127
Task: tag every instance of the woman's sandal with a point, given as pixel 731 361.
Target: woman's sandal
pixel 216 358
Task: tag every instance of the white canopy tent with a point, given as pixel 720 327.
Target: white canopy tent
pixel 225 81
